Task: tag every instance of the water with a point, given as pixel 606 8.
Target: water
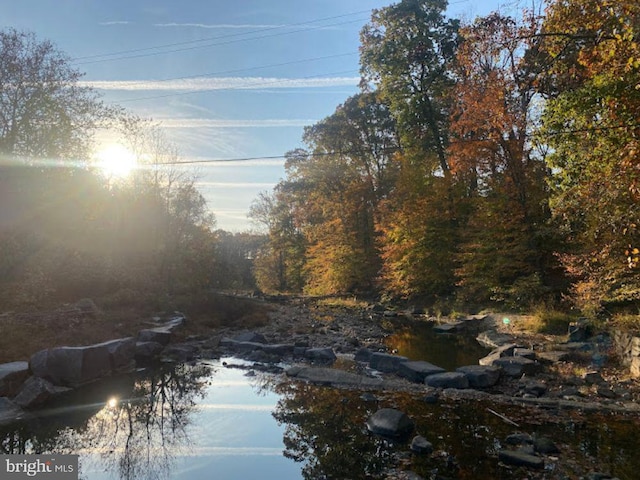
pixel 206 421
pixel 418 341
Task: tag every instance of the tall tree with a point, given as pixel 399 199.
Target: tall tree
pixel 44 110
pixel 491 155
pixel 407 53
pixel 591 125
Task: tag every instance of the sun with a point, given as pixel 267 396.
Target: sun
pixel 116 161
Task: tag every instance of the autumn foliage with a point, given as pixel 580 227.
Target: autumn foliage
pixel 492 161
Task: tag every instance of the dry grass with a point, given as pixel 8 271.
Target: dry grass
pixel 23 334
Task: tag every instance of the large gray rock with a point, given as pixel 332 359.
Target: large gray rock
pixel 480 376
pixel 12 376
pixel 503 351
pixel 324 355
pixel 493 339
pixel 553 356
pixel 122 352
pixel 517 366
pixel 147 351
pixel 417 371
pixel 390 422
pixel 250 337
pixel 159 335
pixel 72 366
pixel 447 380
pixel 36 392
pixel 385 362
pixel 363 355
pixel 520 459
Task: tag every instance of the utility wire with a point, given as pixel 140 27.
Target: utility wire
pixel 124 54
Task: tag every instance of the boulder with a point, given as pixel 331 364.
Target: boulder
pixel 520 459
pixel 447 380
pixel 480 376
pixel 517 366
pixel 180 353
pixel 147 351
pixel 519 439
pixel 536 389
pixel 159 335
pixel 250 337
pixel 12 376
pixel 493 339
pixel 545 445
pixel 421 445
pixel 417 371
pixel 324 355
pixel 36 391
pixel 389 422
pixel 385 362
pixel 122 354
pixel 72 366
pixel 503 351
pixel 363 355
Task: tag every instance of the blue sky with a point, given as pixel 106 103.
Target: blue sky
pixel 236 79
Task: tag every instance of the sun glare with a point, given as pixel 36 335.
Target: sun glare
pixel 116 161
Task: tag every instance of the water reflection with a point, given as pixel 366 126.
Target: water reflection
pixel 418 341
pixel 136 436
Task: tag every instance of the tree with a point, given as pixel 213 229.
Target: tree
pixel 44 111
pixel 407 53
pixel 503 180
pixel 591 126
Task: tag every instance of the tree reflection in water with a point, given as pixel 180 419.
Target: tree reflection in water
pixel 136 437
pixel 324 429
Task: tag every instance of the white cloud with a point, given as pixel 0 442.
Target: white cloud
pixel 221 83
pixel 218 25
pixel 115 22
pixel 220 123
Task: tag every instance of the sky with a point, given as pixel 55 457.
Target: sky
pixel 234 81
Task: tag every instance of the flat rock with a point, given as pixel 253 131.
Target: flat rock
pixel 524 352
pixel 330 376
pixel 493 339
pixel 553 356
pixel 324 355
pixel 503 351
pixel 448 380
pixel 452 327
pixel 417 371
pixel 385 362
pixel 480 376
pixel 12 376
pixel 389 422
pixel 72 366
pixel 520 459
pixel 517 366
pixel 147 351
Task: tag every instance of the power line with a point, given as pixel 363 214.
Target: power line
pixel 123 55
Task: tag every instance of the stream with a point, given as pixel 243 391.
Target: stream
pixel 205 420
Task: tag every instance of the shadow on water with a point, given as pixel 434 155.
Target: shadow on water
pixel 419 341
pixel 179 422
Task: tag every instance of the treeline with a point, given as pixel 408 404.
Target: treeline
pixel 494 161
pixel 69 231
